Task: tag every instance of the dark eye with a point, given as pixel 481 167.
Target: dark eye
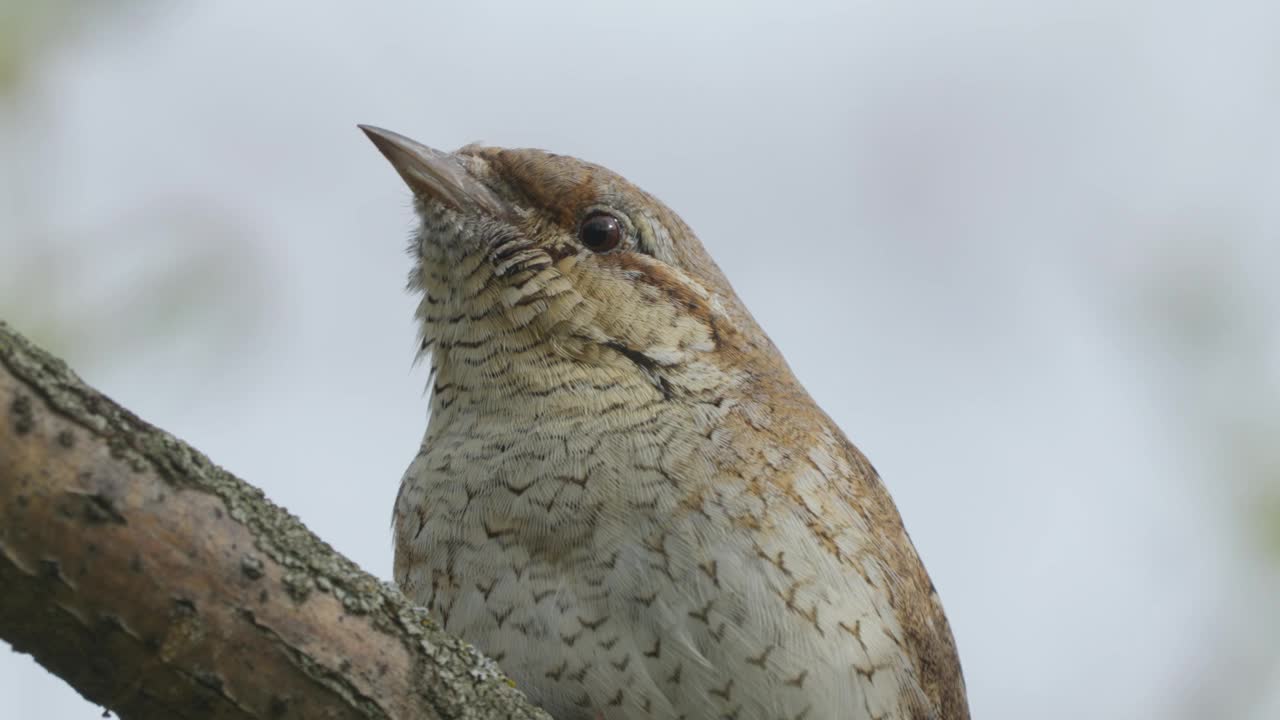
pixel 600 232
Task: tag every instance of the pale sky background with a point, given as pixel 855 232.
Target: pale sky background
pixel 1022 252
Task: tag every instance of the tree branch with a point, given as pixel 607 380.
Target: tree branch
pixel 160 586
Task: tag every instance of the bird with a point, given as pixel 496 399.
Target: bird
pixel 623 495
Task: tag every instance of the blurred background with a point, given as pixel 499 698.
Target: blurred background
pixel 1029 268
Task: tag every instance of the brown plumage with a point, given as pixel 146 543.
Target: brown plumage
pixel 624 495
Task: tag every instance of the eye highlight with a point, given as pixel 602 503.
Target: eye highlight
pixel 600 232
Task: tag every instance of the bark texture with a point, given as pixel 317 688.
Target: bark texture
pixel 160 586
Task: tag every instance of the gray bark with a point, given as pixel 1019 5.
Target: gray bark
pixel 160 586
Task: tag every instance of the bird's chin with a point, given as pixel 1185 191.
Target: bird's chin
pixel 449 241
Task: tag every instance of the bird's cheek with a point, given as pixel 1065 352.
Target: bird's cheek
pixel 580 304
pixel 651 320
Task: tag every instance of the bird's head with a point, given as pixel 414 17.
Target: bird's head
pixel 528 259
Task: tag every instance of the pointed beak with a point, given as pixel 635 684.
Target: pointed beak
pixel 436 175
